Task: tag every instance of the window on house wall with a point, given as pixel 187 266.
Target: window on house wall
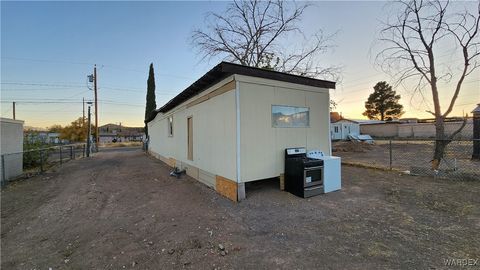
pixel 170 126
pixel 336 129
pixel 290 116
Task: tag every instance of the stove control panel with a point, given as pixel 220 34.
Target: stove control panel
pixel 296 151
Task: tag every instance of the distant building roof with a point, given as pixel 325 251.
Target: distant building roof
pixel 9 120
pixel 369 122
pixel 477 109
pixel 346 120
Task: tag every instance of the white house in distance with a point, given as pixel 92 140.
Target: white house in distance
pixel 341 128
pixel 233 124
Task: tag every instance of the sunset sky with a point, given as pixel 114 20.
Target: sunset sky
pixel 49 48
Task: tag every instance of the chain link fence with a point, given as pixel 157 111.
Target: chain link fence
pixel 413 156
pixel 31 162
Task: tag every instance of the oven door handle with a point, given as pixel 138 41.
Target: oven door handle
pixel 314 187
pixel 313 168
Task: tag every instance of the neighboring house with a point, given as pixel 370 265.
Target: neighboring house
pixel 233 124
pixel 11 148
pixel 117 133
pixel 44 137
pixel 340 129
pixel 53 138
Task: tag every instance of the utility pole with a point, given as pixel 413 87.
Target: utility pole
pixel 96 104
pixel 89 135
pixel 83 119
pixel 14 110
pixel 83 103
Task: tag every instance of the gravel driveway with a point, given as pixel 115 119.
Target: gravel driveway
pixel 121 210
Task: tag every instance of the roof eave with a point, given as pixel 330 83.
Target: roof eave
pixel 225 69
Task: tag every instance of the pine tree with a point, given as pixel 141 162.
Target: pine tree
pixel 383 104
pixel 151 104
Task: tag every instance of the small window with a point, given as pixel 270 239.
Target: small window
pixel 336 129
pixel 170 126
pixel 290 116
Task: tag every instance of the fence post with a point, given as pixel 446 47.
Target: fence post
pixel 4 175
pixel 41 160
pixel 390 154
pixel 71 152
pixel 61 157
pixel 83 151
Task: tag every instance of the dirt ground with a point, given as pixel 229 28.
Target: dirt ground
pixel 121 210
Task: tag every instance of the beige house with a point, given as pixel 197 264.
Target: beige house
pixel 233 124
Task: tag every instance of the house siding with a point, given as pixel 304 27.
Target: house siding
pixel 263 146
pixel 213 135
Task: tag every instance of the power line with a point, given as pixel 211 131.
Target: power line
pixel 68 102
pixel 156 73
pixel 157 92
pixel 72 86
pixel 37 89
pixel 103 66
pixel 43 84
pixel 46 61
pixel 7 111
pixel 370 89
pixel 465 104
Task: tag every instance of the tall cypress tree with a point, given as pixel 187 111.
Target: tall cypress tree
pixel 151 104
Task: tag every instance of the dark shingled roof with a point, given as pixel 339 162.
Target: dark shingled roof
pixel 225 69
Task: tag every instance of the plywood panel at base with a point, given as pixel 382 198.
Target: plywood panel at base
pixel 282 181
pixel 171 162
pixel 164 159
pixel 226 187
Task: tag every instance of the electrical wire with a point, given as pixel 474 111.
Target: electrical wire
pixel 72 86
pixel 102 66
pixel 44 60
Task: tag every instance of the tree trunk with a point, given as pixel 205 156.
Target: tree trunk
pixel 441 142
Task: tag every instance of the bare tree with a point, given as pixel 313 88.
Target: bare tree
pixel 412 42
pixel 253 32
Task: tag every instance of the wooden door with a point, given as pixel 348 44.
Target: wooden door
pixel 190 138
